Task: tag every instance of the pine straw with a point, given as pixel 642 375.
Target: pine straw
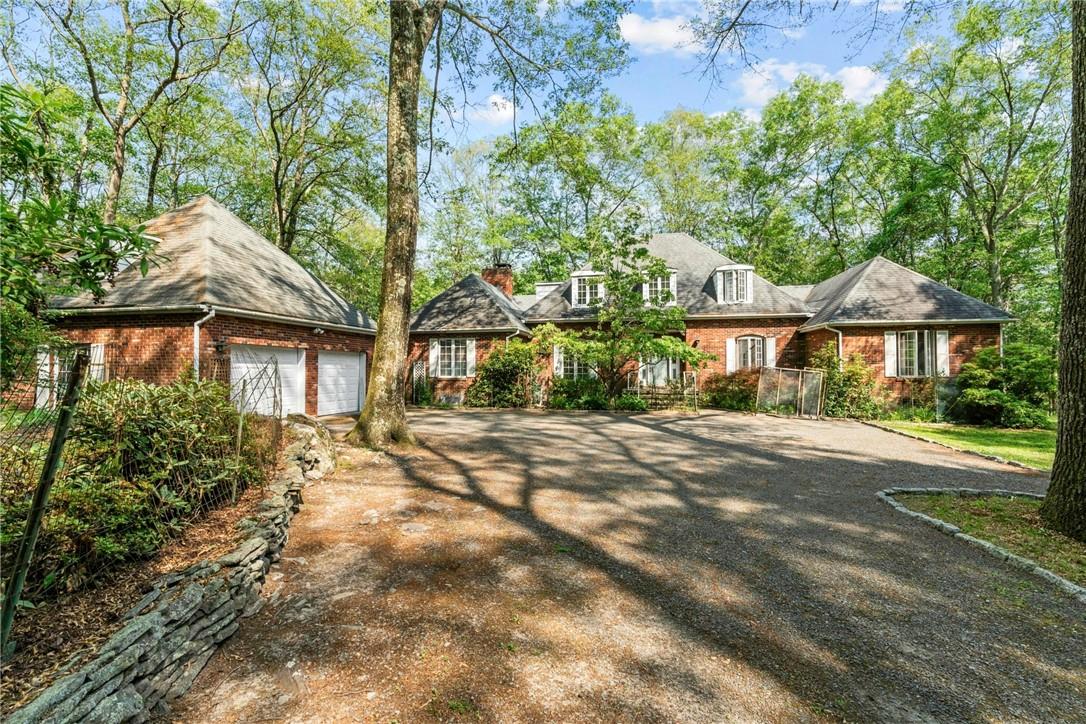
pixel 57 637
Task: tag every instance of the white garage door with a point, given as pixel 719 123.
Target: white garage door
pixel 249 367
pixel 341 382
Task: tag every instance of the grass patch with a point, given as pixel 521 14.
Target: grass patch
pixel 1035 448
pixel 1010 523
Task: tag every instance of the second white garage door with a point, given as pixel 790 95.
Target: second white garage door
pixel 341 382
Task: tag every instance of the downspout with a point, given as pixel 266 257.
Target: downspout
pixel 840 348
pixel 196 339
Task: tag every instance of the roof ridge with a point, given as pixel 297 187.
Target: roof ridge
pixel 503 302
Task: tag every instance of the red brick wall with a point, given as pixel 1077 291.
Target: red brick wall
pixel 158 348
pixel 153 348
pixel 711 335
pixel 419 349
pixel 965 341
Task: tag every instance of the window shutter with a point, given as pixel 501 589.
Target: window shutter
pixel 43 388
pixel 435 350
pixel 729 355
pixel 770 351
pixel 471 358
pixel 720 287
pixel 558 361
pixel 674 363
pixel 942 353
pixel 674 288
pixel 750 286
pixel 97 368
pixel 889 343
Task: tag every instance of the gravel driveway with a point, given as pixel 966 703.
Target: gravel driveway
pixel 525 566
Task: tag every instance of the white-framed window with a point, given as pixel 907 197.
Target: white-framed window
pixel 917 353
pixel 658 372
pixel 659 288
pixel 750 351
pixel 452 357
pixel 587 290
pixel 567 365
pixel 735 284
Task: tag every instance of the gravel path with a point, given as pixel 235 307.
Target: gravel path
pixel 525 566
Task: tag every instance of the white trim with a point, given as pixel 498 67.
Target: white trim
pixel 910 322
pixel 196 308
pixel 557 360
pixel 96 370
pixel 578 274
pixel 769 351
pixel 729 355
pixel 435 358
pixel 942 353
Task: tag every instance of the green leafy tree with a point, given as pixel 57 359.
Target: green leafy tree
pixel 628 328
pixel 850 386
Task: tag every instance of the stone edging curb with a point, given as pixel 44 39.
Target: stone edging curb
pixel 994 458
pixel 176 627
pixel 1003 554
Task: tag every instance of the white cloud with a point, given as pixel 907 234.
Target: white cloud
pixel 860 82
pixel 498 111
pixel 660 34
pixel 759 84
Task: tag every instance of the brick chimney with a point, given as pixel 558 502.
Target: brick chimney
pixel 500 276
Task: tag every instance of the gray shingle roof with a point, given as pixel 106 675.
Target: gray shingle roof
pixel 879 291
pixel 694 262
pixel 211 257
pixel 470 304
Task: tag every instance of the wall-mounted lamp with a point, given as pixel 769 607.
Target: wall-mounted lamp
pixel 220 346
pixel 318 330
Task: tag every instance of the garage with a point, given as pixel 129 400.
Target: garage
pixel 341 382
pixel 250 370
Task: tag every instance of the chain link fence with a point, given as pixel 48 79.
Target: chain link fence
pixel 787 391
pixel 141 462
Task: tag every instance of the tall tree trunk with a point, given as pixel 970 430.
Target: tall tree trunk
pixel 116 173
pixel 384 417
pixel 152 178
pixel 1064 508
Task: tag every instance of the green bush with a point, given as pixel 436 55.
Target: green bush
pixel 850 388
pixel 424 392
pixel 141 461
pixel 737 391
pixel 1014 389
pixel 585 393
pixel 505 378
pixel 630 403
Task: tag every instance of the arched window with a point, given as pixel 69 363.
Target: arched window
pixel 750 351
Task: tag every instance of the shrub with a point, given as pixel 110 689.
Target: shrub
pixel 737 391
pixel 630 403
pixel 585 393
pixel 505 378
pixel 423 392
pixel 140 461
pixel 1014 389
pixel 850 388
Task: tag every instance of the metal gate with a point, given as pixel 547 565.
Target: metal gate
pixel 787 391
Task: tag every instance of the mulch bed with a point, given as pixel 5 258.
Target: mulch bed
pixel 55 637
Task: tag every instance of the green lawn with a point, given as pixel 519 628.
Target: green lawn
pixel 1010 523
pixel 1031 447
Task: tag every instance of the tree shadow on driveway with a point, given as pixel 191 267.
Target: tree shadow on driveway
pixel 761 539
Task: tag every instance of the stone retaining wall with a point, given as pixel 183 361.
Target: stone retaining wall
pixel 176 627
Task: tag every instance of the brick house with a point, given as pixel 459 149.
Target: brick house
pixel 224 300
pixel 906 326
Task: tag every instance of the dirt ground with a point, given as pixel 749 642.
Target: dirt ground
pixel 525 566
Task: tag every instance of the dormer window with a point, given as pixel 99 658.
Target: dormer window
pixel 587 290
pixel 734 284
pixel 658 288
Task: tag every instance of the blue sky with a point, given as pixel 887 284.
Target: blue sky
pixel 665 72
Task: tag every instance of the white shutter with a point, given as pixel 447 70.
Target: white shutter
pixel 750 286
pixel 720 287
pixel 558 362
pixel 674 288
pixel 770 351
pixel 942 353
pixel 729 355
pixel 471 358
pixel 435 353
pixel 97 369
pixel 889 343
pixel 674 363
pixel 43 388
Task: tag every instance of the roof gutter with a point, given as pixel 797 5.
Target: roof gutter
pixel 899 322
pixel 195 308
pixel 196 339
